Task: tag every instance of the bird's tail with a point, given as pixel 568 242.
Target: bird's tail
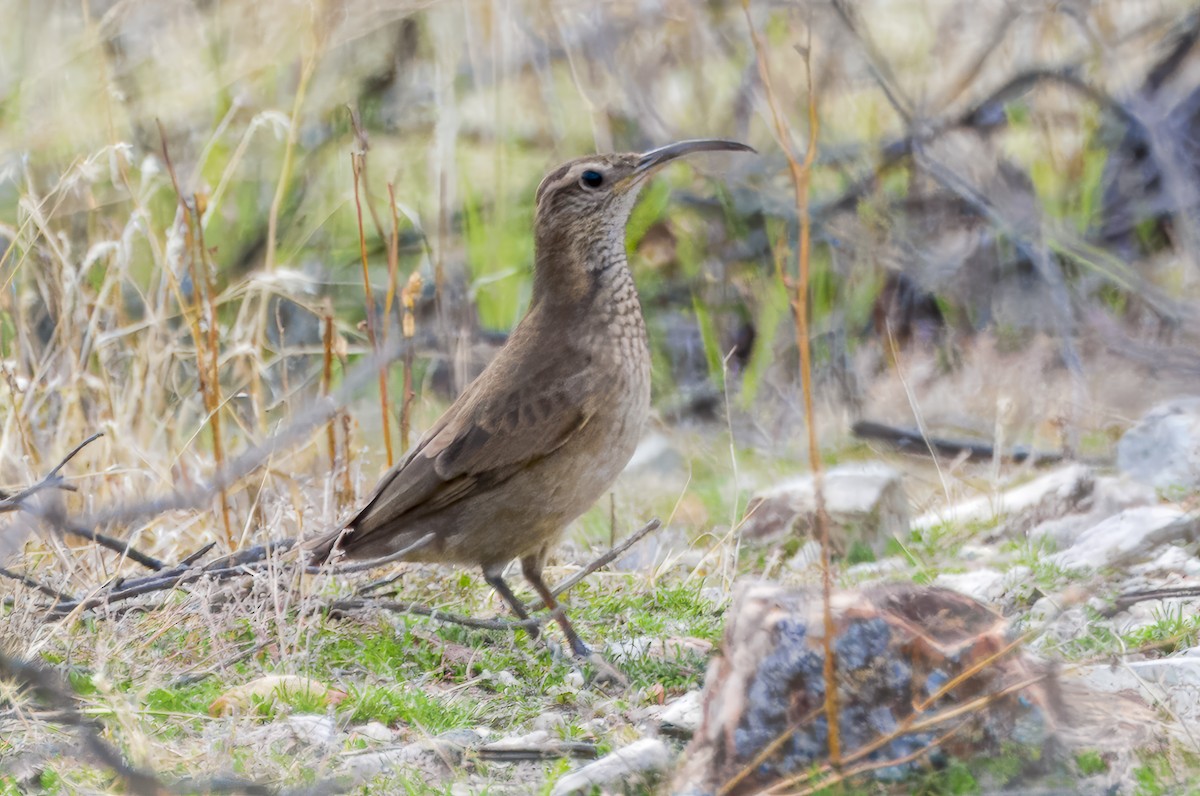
pixel 320 549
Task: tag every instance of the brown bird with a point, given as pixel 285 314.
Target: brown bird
pixel 550 423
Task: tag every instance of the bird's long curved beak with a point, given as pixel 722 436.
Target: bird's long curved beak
pixel 650 161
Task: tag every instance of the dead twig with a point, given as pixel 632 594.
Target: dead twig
pixel 52 479
pixel 346 607
pixel 30 583
pixel 600 562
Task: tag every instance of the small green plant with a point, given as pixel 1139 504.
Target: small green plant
pixel 1090 763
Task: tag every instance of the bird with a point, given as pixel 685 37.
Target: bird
pixel 553 419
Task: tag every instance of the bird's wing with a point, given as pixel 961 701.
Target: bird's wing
pixel 499 426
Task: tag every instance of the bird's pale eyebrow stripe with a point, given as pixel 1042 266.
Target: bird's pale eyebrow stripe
pixel 555 179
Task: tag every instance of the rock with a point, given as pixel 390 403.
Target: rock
pixel 549 721
pixel 655 455
pixel 675 648
pixel 896 645
pixel 436 755
pixel 1173 562
pixel 1128 537
pixel 985 585
pixel 527 741
pixel 313 730
pixel 639 760
pixel 865 502
pixel 1173 682
pixel 1110 495
pixel 874 570
pixel 1054 494
pixel 374 731
pixel 1146 613
pixel 682 716
pixel 1163 449
pixel 365 765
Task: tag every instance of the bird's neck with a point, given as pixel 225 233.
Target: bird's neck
pixel 574 273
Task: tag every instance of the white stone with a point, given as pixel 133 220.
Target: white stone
pixel 1172 561
pixel 682 715
pixel 985 585
pixel 530 740
pixel 374 731
pixel 313 730
pixel 364 765
pixel 1051 495
pixel 1127 537
pixel 1110 495
pixel 640 758
pixel 549 721
pixel 867 570
pixel 1173 682
pixel 1163 449
pixel 654 455
pixel 863 501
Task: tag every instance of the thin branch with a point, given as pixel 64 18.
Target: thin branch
pixel 30 583
pixel 52 479
pixel 352 605
pixel 603 561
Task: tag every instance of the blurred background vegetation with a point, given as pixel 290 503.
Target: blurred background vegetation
pixel 1004 203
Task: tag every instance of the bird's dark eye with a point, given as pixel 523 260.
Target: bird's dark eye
pixel 591 179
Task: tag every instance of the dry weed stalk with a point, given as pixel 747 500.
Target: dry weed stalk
pixel 202 322
pixel 357 164
pixel 801 174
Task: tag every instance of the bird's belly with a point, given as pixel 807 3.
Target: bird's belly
pixel 537 504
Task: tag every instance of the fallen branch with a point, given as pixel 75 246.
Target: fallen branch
pixel 909 440
pixel 346 607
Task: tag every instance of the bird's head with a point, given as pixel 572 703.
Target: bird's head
pixel 582 207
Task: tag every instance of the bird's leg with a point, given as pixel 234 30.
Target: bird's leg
pixel 494 579
pixel 531 567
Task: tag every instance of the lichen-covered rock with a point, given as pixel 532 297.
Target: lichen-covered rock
pixel 895 648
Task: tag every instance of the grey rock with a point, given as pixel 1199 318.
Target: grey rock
pixel 640 759
pixel 1054 494
pixel 865 502
pixel 682 716
pixel 1128 537
pixel 985 585
pixel 1110 495
pixel 1173 682
pixel 313 730
pixel 655 455
pixel 1163 449
pixel 374 731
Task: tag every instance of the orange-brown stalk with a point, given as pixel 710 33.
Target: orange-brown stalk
pixel 206 368
pixel 801 176
pixel 356 165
